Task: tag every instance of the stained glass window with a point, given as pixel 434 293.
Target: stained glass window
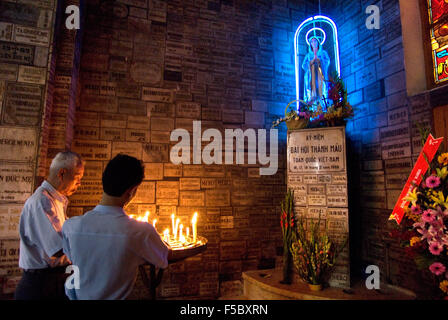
pixel 438 28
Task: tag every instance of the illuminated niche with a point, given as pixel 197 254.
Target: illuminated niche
pixel 309 75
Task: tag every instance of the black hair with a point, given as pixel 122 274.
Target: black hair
pixel 122 173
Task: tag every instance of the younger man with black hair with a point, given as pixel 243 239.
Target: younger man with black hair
pixel 105 244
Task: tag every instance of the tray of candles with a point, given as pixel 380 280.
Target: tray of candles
pixel 183 245
pixel 184 250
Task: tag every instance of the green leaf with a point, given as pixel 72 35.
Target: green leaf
pixel 423 262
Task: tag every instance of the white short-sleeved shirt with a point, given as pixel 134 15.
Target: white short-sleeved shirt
pixel 40 228
pixel 107 247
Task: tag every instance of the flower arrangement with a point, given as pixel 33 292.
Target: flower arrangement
pixel 314 254
pixel 340 109
pixel 287 223
pixel 337 109
pixel 424 229
pixel 294 119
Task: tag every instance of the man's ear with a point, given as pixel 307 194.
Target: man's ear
pixel 61 173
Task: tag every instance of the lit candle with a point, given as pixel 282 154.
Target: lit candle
pixel 146 217
pixel 166 235
pixel 188 232
pixel 182 239
pixel 194 226
pixel 172 223
pixel 176 227
pixel 154 223
pixel 180 230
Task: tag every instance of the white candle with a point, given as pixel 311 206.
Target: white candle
pixel 146 217
pixel 154 223
pixel 180 231
pixel 194 227
pixel 176 227
pixel 172 223
pixel 182 239
pixel 166 235
pixel 188 232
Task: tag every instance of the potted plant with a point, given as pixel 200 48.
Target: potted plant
pixel 287 223
pixel 314 255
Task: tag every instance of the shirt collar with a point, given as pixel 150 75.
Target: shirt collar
pixel 114 210
pixel 53 192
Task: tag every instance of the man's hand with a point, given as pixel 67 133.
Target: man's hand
pixel 59 259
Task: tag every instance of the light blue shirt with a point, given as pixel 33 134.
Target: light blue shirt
pixel 107 246
pixel 40 228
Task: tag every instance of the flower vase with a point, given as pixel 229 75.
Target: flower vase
pixel 315 287
pixel 287 267
pixel 296 124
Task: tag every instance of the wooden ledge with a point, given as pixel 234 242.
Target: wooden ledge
pixel 265 285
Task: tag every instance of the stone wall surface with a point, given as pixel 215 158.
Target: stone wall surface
pixel 26 95
pixel 149 67
pixel 383 135
pixel 139 69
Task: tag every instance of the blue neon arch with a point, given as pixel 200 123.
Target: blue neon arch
pixel 320 20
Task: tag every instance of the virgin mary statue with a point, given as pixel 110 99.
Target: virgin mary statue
pixel 315 65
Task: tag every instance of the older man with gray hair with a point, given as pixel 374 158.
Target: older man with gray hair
pixel 43 215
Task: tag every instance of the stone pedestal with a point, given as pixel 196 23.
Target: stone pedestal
pixel 317 172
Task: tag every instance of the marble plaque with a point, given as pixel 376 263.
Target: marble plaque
pixel 190 110
pixel 320 150
pixel 6 31
pixel 160 109
pixel 157 95
pixel 16 181
pixel 155 152
pixel 18 143
pixel 88 194
pixel 33 36
pixel 32 75
pixel 148 73
pixel 93 170
pixel 133 149
pixel 153 171
pixel 101 104
pixel 8 71
pixel 192 198
pixel 396 149
pixel 9 220
pixel 22 105
pixel 190 183
pixel 145 193
pixel 217 197
pixel 137 122
pixel 16 53
pixel 93 149
pixel 167 189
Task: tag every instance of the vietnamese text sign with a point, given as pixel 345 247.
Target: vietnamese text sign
pixel 316 150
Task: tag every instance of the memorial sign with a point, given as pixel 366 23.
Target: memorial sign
pixel 88 194
pixel 16 53
pixel 32 75
pixel 18 143
pixel 316 151
pixel 317 174
pixel 16 182
pixel 92 149
pixel 9 220
pixel 22 105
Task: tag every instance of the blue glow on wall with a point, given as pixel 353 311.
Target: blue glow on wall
pixel 325 30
